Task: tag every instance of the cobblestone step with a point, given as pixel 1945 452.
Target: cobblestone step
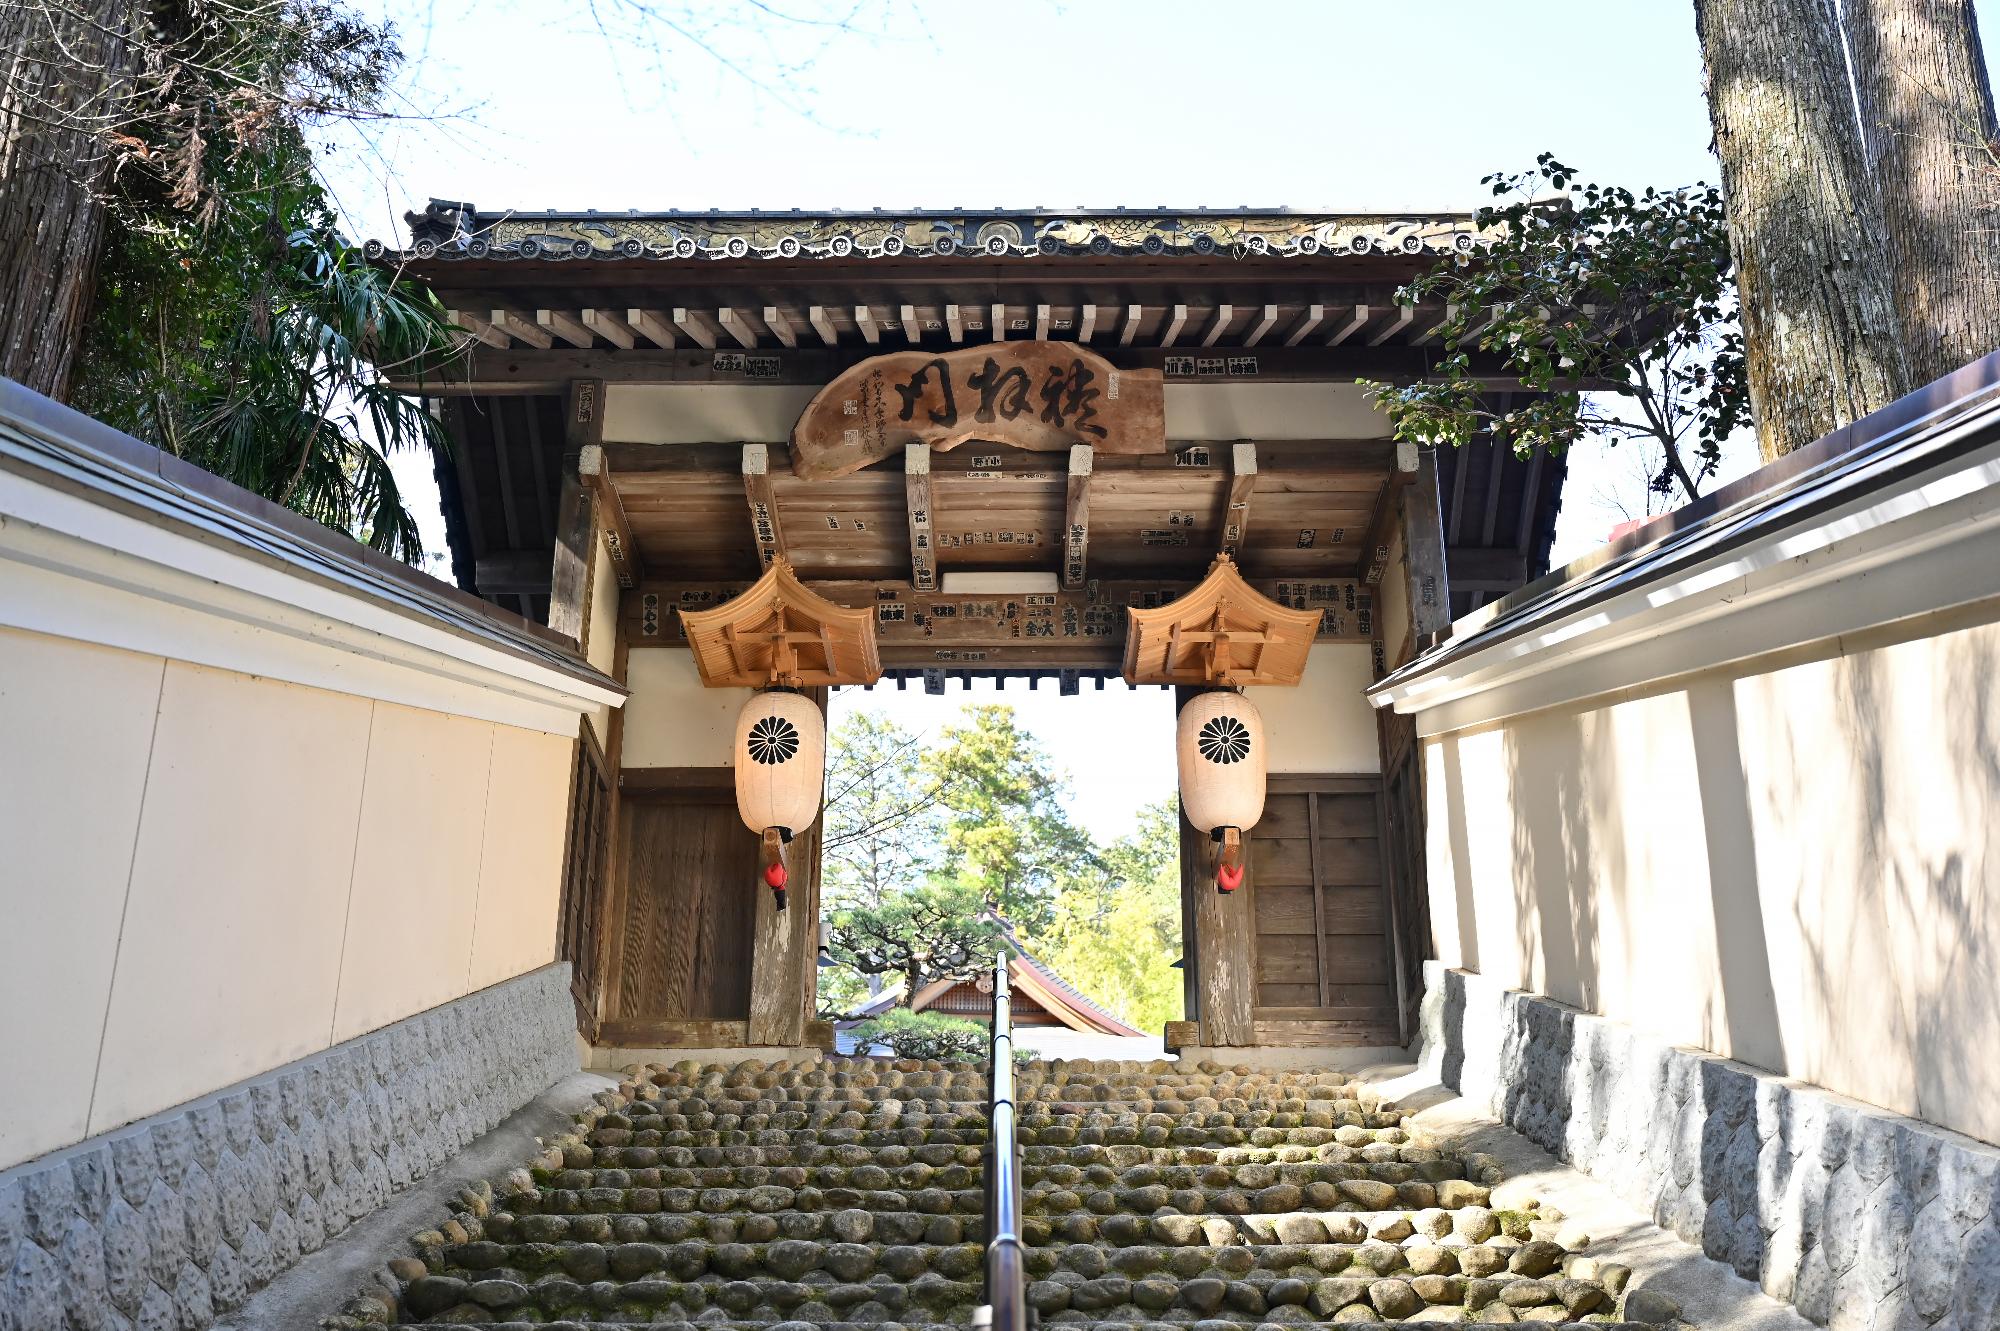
pixel 851 1193
pixel 1220 1323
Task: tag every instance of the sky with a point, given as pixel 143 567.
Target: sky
pixel 1338 104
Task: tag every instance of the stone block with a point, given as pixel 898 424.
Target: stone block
pixel 1937 1248
pixel 1975 1303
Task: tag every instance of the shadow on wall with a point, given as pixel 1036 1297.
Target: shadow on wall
pixel 1742 951
pixel 1464 904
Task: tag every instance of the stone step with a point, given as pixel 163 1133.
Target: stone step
pixel 1084 1130
pixel 769 1199
pixel 630 1167
pixel 699 1259
pixel 1109 1297
pixel 1209 1324
pixel 847 1226
pixel 1150 1099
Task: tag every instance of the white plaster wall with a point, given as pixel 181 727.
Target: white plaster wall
pixel 76 728
pixel 671 720
pixel 207 874
pixel 1796 865
pixel 1324 724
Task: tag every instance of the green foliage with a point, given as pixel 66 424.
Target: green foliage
pixel 1587 284
pixel 1119 941
pixel 1006 830
pixel 925 1035
pixel 231 325
pixel 882 819
pixel 935 931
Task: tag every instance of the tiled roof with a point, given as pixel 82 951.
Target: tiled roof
pixel 448 230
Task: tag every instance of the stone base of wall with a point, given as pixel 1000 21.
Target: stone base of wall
pixel 1858 1217
pixel 174 1220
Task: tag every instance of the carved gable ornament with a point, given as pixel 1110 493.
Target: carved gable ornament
pixel 1042 396
pixel 779 632
pixel 1222 632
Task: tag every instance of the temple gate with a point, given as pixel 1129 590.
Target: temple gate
pixel 1009 439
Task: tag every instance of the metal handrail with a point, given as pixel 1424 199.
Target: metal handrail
pixel 1006 1307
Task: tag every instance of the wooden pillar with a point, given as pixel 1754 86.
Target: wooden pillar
pixel 1222 949
pixel 1423 550
pixel 784 957
pixel 1216 938
pixel 569 577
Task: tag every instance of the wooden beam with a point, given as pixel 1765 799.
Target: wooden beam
pixel 590 465
pixel 653 326
pixel 765 531
pixel 1264 324
pixel 737 325
pixel 569 576
pixel 1357 317
pixel 1404 313
pixel 512 573
pixel 1242 483
pixel 954 324
pixel 917 500
pixel 996 328
pixel 611 328
pixel 1041 323
pixel 822 323
pixel 1076 516
pixel 479 329
pixel 1388 511
pixel 569 329
pixel 913 327
pixel 522 329
pixel 1131 328
pixel 1176 320
pixel 1474 331
pixel 1086 324
pixel 780 326
pixel 1217 324
pixel 1423 545
pixel 525 370
pixel 1424 338
pixel 864 319
pixel 1314 316
pixel 689 323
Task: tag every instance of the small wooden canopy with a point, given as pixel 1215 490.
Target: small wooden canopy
pixel 1224 631
pixel 780 633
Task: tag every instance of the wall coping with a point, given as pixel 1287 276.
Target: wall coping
pixel 1885 521
pixel 112 541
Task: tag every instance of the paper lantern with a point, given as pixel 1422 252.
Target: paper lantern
pixel 1222 760
pixel 780 774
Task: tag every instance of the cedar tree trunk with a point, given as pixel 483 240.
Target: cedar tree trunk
pixel 1927 114
pixel 65 66
pixel 1821 340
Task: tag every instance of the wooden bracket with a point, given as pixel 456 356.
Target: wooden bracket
pixel 596 474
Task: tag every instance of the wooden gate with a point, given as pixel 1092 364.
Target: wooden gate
pixel 1304 953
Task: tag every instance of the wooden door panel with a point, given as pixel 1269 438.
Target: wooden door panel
pixel 1288 909
pixel 691 898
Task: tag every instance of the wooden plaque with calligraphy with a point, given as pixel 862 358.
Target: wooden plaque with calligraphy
pixel 1045 396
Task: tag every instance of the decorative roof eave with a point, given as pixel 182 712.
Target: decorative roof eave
pixel 1205 636
pixel 447 230
pixel 780 632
